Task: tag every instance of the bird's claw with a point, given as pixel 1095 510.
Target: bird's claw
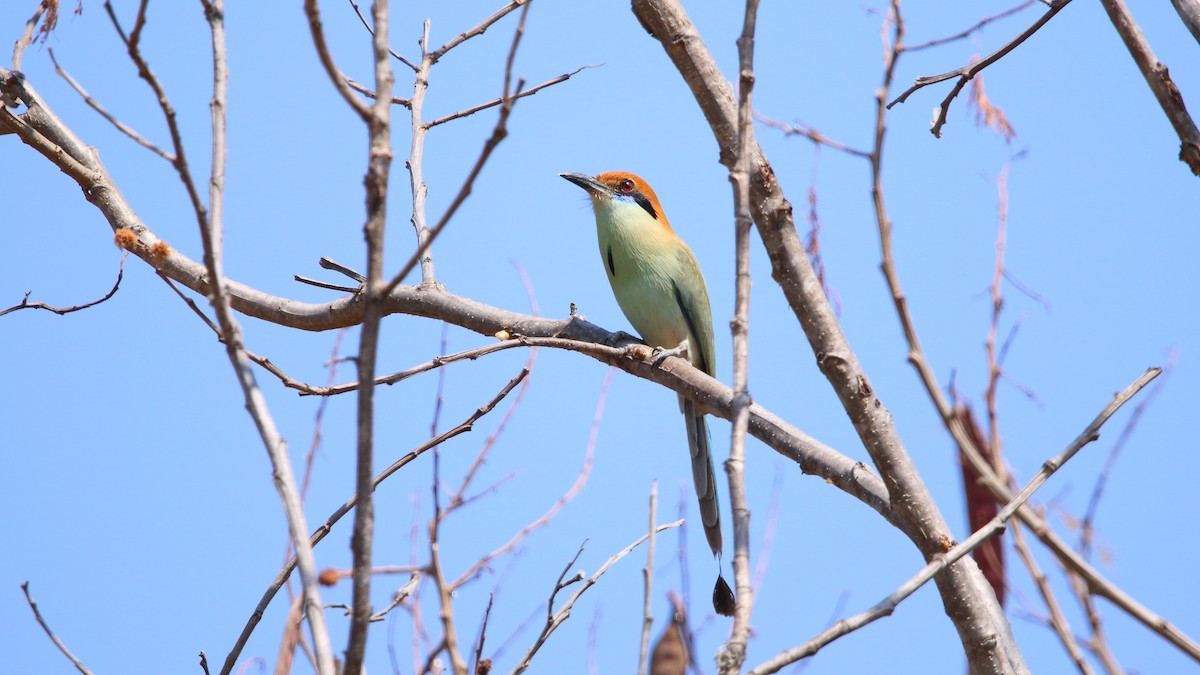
pixel 661 354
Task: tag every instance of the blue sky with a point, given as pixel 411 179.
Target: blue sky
pixel 139 499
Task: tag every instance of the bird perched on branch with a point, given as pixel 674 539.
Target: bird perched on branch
pixel 658 285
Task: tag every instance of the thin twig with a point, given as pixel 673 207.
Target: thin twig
pixel 1058 622
pixel 264 362
pixel 315 444
pixel 818 138
pixel 371 30
pixel 521 93
pixel 648 582
pixel 330 264
pixel 977 26
pixel 888 605
pixel 445 594
pixel 436 362
pixel 312 10
pixel 487 614
pixel 478 29
pixel 26 38
pixel 53 638
pixel 399 597
pixel 997 297
pixel 555 619
pixel 365 91
pixel 25 304
pixel 95 105
pixel 1098 644
pixel 1087 527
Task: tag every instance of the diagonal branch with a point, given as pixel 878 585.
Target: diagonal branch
pixel 1160 82
pixel 371 30
pixel 95 105
pixel 556 619
pixel 476 30
pixel 25 304
pixel 977 26
pixel 521 93
pixel 53 638
pixel 888 605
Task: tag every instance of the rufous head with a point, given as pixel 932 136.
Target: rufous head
pixel 620 187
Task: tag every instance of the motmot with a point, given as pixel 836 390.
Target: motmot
pixel 660 288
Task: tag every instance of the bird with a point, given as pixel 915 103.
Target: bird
pixel 660 289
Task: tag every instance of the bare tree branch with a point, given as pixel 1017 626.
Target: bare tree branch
pixel 731 658
pixel 26 38
pixel 25 304
pixel 818 138
pixel 379 162
pixel 476 30
pixel 648 582
pixel 95 105
pixel 1189 13
pixel 521 93
pixel 371 30
pixel 555 619
pixel 1160 82
pixel 976 27
pixel 1058 622
pixel 53 638
pixel 312 9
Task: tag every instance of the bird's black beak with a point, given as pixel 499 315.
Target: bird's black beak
pixel 586 182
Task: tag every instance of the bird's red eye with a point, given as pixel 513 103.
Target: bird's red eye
pixel 626 185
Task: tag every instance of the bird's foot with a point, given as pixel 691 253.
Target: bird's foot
pixel 661 354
